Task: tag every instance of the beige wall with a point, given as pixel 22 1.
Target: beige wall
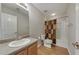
pixel 36 21
pixel 71 27
pixel 77 27
pixel 0 20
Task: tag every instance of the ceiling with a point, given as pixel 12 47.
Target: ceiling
pixel 14 6
pixel 46 8
pixel 58 8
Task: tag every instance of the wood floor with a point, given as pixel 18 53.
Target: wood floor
pixel 55 50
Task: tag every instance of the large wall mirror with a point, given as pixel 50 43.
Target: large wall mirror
pixel 14 22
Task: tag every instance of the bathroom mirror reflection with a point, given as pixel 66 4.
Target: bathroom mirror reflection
pixel 14 22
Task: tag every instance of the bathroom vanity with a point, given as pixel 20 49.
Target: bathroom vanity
pixel 15 26
pixel 28 49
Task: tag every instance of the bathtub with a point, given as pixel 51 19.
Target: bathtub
pixel 62 43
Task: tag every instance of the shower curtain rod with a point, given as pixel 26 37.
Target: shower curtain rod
pixel 62 17
pixel 59 17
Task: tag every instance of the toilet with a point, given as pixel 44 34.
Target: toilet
pixel 46 42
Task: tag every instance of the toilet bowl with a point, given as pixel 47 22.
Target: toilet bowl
pixel 48 43
pixel 45 42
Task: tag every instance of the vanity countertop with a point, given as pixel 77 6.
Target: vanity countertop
pixel 6 50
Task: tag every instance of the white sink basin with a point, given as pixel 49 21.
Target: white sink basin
pixel 18 43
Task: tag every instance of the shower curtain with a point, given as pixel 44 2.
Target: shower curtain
pixel 62 32
pixel 50 30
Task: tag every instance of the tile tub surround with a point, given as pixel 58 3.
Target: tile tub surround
pixel 6 50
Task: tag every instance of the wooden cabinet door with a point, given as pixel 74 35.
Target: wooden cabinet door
pixel 32 50
pixel 23 52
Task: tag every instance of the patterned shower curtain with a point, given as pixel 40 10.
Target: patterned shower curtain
pixel 50 30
